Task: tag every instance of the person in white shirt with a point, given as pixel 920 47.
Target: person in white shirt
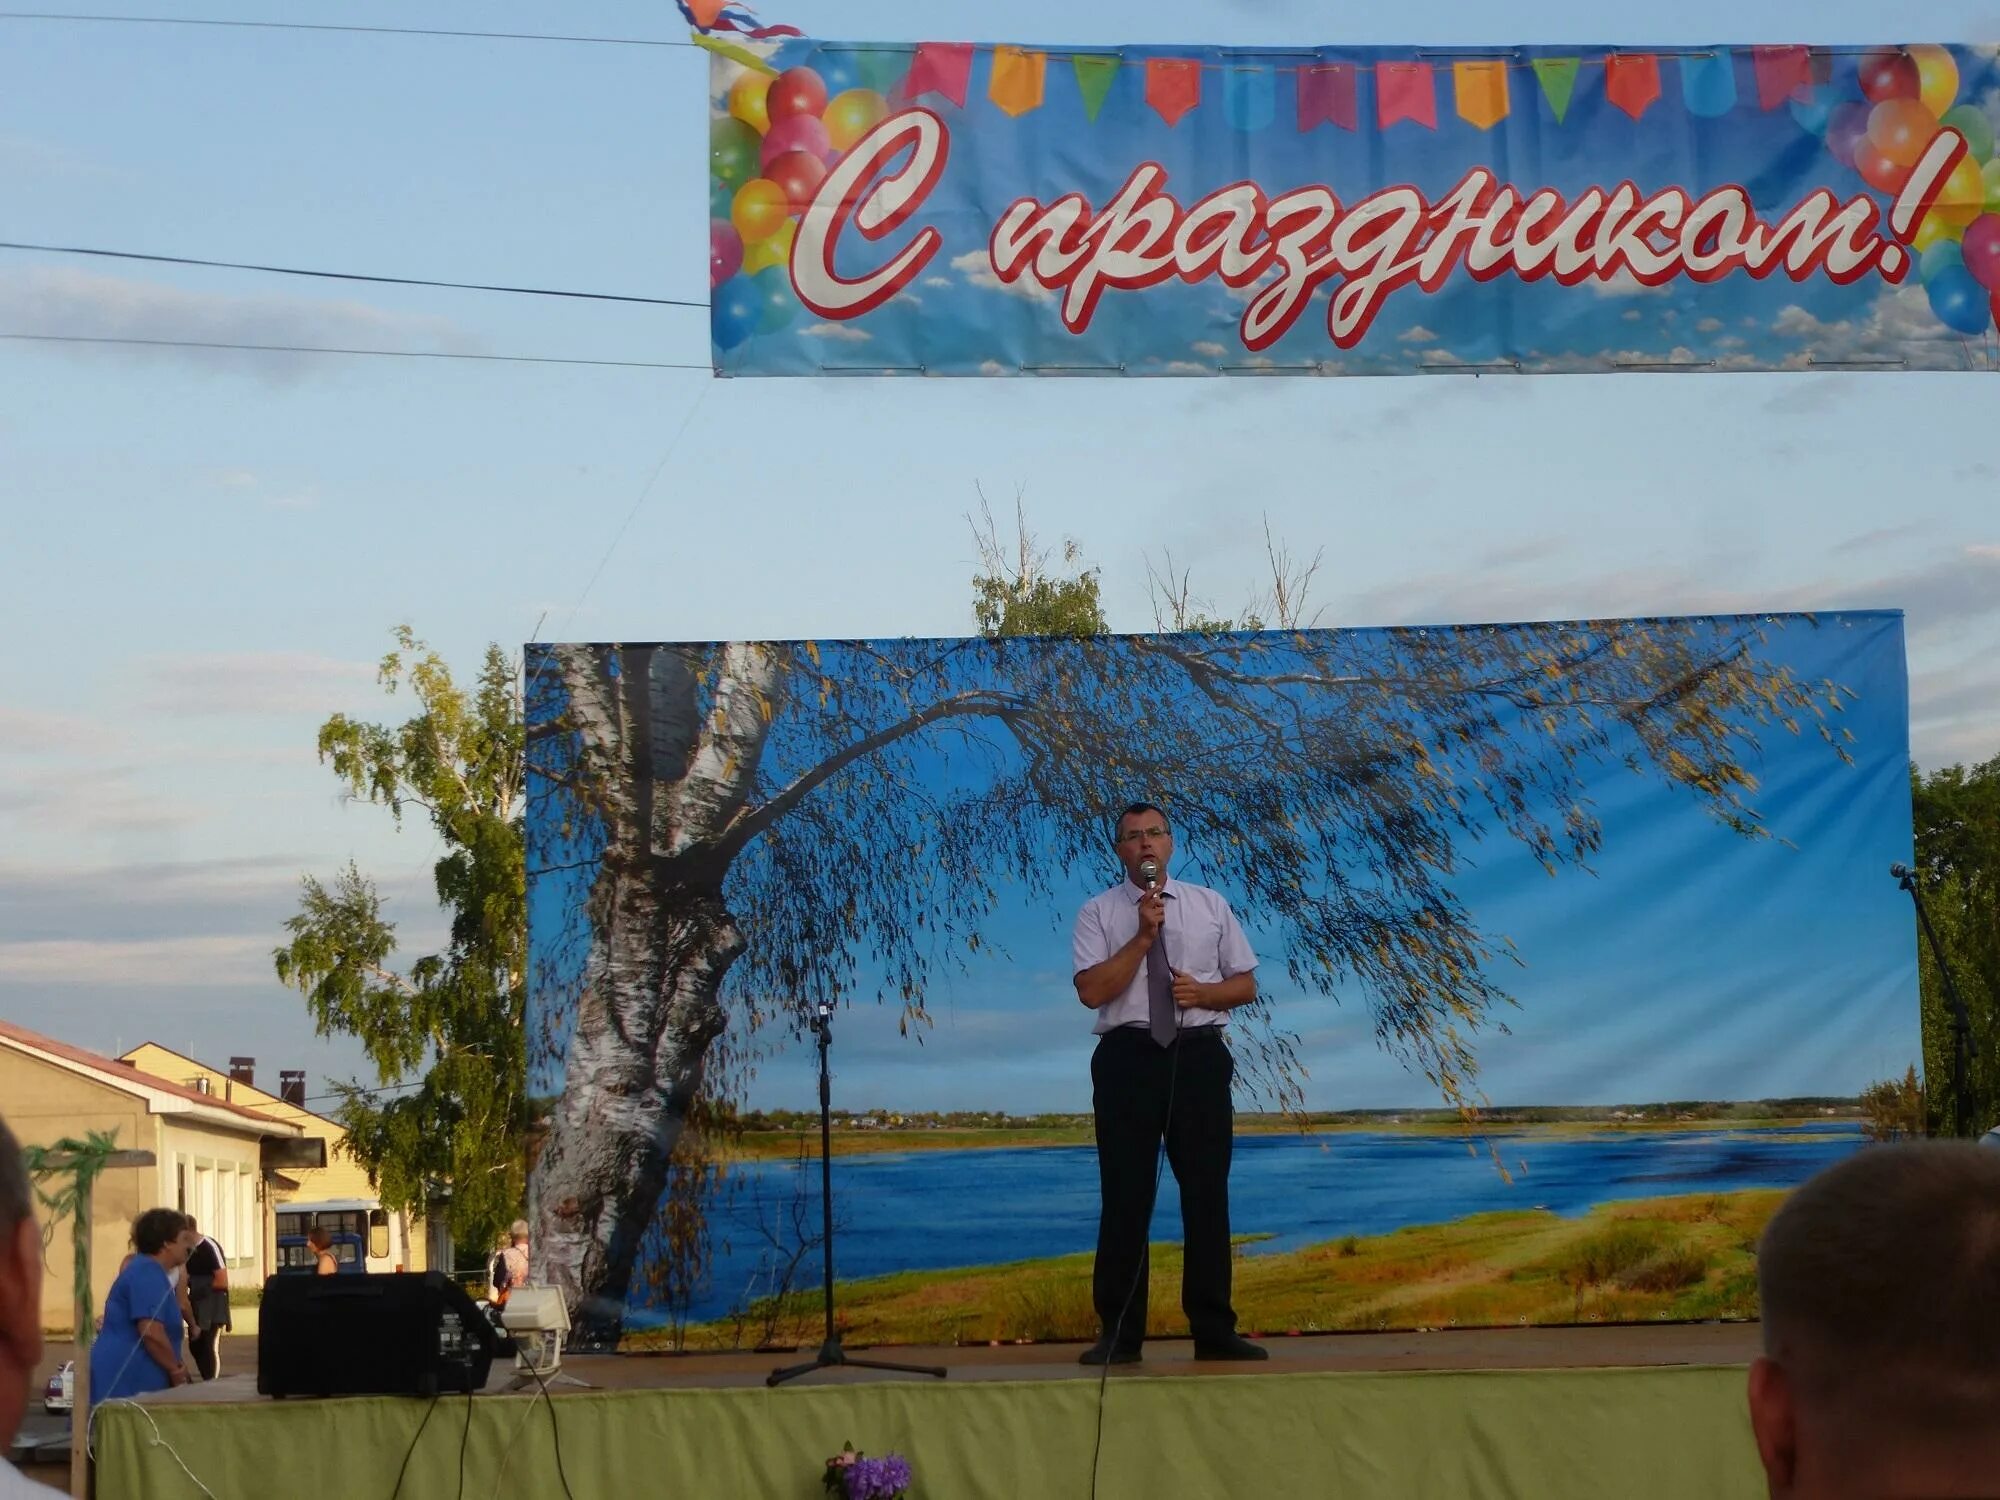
pixel 1161 963
pixel 20 1306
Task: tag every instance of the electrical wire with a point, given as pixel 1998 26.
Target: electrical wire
pixel 555 1429
pixel 500 36
pixel 463 1438
pixel 507 359
pixel 407 1452
pixel 240 265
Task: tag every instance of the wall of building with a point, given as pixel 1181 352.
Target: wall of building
pixel 341 1177
pixel 45 1104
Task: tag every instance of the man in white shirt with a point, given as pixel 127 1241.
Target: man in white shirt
pixel 20 1305
pixel 1161 962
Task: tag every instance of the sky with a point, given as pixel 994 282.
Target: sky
pixel 207 549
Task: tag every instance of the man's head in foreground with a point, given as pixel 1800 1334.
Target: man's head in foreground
pixel 20 1287
pixel 1880 1282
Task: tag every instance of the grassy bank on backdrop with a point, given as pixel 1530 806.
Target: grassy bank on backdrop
pixel 1688 1258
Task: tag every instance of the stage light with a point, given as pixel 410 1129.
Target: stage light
pixel 537 1319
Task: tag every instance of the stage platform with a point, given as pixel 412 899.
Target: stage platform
pixel 1537 1413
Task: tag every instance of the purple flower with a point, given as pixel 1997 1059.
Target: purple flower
pixel 882 1478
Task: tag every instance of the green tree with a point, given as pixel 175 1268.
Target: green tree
pixel 1957 817
pixel 1015 593
pixel 453 1017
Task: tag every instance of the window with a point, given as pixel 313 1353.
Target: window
pixel 181 1186
pixel 378 1234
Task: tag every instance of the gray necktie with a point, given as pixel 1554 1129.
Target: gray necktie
pixel 1160 991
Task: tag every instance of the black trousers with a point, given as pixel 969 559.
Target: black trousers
pixel 1131 1077
pixel 202 1348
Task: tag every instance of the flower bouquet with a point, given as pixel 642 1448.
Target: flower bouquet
pixel 855 1476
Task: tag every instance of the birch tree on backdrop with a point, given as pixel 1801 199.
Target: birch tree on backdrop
pixel 763 819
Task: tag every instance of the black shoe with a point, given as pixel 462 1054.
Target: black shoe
pixel 1101 1353
pixel 1230 1346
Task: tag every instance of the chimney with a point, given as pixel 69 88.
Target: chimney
pixel 292 1086
pixel 200 1084
pixel 243 1070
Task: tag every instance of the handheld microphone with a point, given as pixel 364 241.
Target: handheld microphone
pixel 1149 872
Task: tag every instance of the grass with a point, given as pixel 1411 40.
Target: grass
pixel 1668 1259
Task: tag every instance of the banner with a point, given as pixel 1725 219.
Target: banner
pixel 1575 942
pixel 951 209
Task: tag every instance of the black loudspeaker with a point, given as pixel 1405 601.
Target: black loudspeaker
pixel 415 1333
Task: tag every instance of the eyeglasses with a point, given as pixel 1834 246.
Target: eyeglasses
pixel 1133 835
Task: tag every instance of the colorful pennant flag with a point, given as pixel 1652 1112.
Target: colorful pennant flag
pixel 1173 87
pixel 1708 84
pixel 1557 76
pixel 1632 81
pixel 1481 85
pixel 715 15
pixel 1249 98
pixel 1016 85
pixel 1783 74
pixel 1405 91
pixel 940 68
pixel 1327 94
pixel 1094 77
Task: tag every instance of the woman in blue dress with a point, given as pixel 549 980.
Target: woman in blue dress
pixel 138 1348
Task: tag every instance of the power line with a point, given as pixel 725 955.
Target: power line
pixel 499 36
pixel 239 265
pixel 510 359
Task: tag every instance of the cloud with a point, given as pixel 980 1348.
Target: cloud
pixel 1622 283
pixel 1188 367
pixel 1709 325
pixel 1417 335
pixel 838 331
pixel 248 682
pixel 1730 342
pixel 994 367
pixel 941 282
pixel 1899 327
pixel 1872 541
pixel 1210 348
pixel 1634 315
pixel 31 732
pixel 235 961
pixel 978 271
pixel 85 304
pixel 85 799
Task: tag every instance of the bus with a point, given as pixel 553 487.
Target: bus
pixel 366 1236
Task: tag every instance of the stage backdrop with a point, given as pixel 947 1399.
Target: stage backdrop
pixel 1577 939
pixel 952 209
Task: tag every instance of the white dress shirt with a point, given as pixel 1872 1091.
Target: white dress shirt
pixel 1202 936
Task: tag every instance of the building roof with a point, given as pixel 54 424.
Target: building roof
pixel 123 1076
pixel 271 1104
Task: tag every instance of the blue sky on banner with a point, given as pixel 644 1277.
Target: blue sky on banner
pixel 1688 962
pixel 1707 129
pixel 209 544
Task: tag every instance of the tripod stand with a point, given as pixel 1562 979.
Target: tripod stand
pixel 830 1353
pixel 1961 1021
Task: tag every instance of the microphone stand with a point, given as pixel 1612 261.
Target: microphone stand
pixel 830 1353
pixel 1961 1020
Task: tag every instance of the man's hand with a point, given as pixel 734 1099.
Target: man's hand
pixel 1189 991
pixel 1152 916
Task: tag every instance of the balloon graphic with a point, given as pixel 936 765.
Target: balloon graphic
pixel 760 207
pixel 732 151
pixel 799 133
pixel 839 71
pixel 1889 75
pixel 748 101
pixel 1934 260
pixel 1962 198
pixel 1980 251
pixel 799 173
pixel 1877 170
pixel 801 91
pixel 1937 76
pixel 1935 231
pixel 1900 129
pixel 720 195
pixel 777 306
pixel 1846 129
pixel 736 311
pixel 1970 121
pixel 882 69
pixel 775 251
pixel 725 252
pixel 852 115
pixel 1960 303
pixel 1990 175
